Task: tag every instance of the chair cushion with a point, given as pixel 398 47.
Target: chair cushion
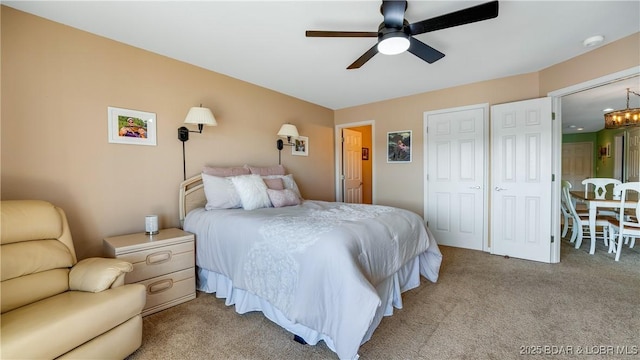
pixel 31 288
pixel 29 257
pixel 56 325
pixel 29 219
pixel 33 270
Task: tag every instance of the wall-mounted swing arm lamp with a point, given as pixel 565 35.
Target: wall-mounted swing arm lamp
pixel 286 131
pixel 196 115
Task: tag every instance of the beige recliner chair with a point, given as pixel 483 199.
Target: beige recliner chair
pixel 54 306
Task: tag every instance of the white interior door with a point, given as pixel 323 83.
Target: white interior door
pixel 521 179
pixel 455 191
pixel 633 156
pixel 577 163
pixel 618 157
pixel 352 163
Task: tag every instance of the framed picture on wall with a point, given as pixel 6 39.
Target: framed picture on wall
pixel 399 146
pixel 131 126
pixel 301 146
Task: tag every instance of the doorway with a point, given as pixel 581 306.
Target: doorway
pixel 367 153
pixel 557 96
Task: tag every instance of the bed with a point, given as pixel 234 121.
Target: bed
pixel 321 270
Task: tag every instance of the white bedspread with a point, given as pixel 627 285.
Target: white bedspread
pixel 323 265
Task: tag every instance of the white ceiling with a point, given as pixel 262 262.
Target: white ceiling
pixel 264 43
pixel 583 111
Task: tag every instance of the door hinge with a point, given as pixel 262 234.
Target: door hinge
pixel 341 177
pixel 427 130
pixel 553 177
pixel 553 116
pixel 552 239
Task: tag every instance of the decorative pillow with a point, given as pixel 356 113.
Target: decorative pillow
pixel 220 193
pixel 268 170
pixel 280 198
pixel 226 171
pixel 274 184
pixel 289 182
pixel 252 191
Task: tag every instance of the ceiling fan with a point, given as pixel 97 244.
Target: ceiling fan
pixel 395 34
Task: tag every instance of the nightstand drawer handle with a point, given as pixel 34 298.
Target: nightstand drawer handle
pixel 160 286
pixel 159 257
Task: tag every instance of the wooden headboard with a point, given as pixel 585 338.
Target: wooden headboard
pixel 191 196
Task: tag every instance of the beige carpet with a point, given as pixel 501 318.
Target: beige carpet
pixel 483 307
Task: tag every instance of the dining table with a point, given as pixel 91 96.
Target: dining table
pixel 608 201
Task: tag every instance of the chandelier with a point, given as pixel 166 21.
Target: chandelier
pixel 623 118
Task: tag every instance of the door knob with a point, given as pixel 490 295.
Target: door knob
pixel 497 188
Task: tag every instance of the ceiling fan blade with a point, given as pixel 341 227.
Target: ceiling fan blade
pixel 319 33
pixel 465 16
pixel 424 51
pixel 393 12
pixel 364 58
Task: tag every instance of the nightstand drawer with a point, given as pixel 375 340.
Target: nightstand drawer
pixel 168 290
pixel 155 262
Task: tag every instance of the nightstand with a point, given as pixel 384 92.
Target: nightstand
pixel 164 263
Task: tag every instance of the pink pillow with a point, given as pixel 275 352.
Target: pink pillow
pixel 280 198
pixel 226 171
pixel 274 184
pixel 268 170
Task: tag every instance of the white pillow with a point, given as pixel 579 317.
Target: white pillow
pixel 220 193
pixel 252 191
pixel 289 182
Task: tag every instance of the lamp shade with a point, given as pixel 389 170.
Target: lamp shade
pixel 200 115
pixel 288 130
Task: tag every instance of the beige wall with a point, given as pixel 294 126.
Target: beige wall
pixel 57 83
pixel 402 184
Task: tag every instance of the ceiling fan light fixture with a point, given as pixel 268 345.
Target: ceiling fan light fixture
pixel 394 43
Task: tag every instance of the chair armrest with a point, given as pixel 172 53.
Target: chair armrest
pixel 98 274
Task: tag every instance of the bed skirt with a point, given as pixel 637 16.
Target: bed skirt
pixel 389 291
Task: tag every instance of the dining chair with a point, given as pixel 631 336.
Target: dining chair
pixel 600 191
pixel 626 227
pixel 599 186
pixel 566 215
pixel 579 221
